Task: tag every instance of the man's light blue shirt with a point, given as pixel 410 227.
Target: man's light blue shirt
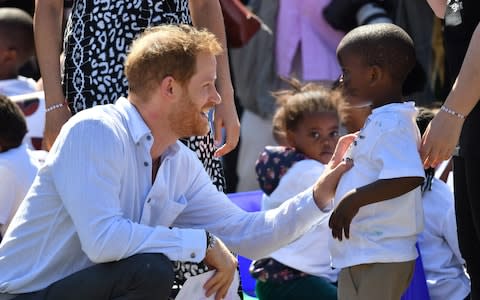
pixel 93 201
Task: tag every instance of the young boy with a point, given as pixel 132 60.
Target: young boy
pixel 378 211
pixel 443 264
pixel 16 48
pixel 18 165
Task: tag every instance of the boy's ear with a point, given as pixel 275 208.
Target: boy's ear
pixel 376 74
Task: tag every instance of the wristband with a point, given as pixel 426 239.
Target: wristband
pixel 55 106
pixel 452 112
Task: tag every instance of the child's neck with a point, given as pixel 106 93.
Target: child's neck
pixel 393 96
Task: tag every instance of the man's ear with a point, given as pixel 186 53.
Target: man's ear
pixel 167 87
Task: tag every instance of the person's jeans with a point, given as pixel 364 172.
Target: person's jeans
pixel 142 276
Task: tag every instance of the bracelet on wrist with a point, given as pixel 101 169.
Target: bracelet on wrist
pixel 56 106
pixel 452 112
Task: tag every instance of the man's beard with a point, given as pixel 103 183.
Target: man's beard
pixel 187 120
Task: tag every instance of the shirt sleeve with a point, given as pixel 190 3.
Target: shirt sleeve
pixel 86 173
pixel 396 154
pixel 449 230
pixel 250 234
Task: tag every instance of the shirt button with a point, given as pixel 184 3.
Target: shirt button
pixel 149 137
pixel 192 255
pixel 145 164
pixel 149 199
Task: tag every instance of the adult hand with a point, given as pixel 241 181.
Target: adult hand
pixel 225 265
pixel 342 216
pixel 440 139
pixel 226 117
pixel 54 121
pixel 324 188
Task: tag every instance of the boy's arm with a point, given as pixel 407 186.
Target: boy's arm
pixel 380 190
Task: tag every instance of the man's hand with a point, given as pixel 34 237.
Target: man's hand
pixel 225 265
pixel 342 216
pixel 226 117
pixel 54 121
pixel 324 188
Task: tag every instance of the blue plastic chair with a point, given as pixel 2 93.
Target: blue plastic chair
pixel 418 289
pixel 248 201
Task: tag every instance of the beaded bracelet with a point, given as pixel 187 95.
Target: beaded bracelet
pixel 452 112
pixel 55 106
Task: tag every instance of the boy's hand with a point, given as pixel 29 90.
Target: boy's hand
pixel 342 216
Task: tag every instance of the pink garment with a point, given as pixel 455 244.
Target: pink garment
pixel 301 23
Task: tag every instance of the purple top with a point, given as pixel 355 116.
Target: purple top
pixel 301 22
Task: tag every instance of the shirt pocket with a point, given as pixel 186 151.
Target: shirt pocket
pixel 166 214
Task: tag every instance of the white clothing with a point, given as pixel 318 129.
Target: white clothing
pixel 35 118
pixel 255 134
pixel 24 89
pixel 440 169
pixel 442 261
pixel 93 201
pixel 18 167
pixel 193 289
pixel 386 147
pixel 309 253
pixel 300 176
pixel 20 85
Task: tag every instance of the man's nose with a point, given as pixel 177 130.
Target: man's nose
pixel 215 97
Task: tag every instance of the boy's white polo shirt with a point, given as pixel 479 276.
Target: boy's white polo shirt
pixel 387 147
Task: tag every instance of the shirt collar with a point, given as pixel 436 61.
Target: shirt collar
pixel 408 106
pixel 136 125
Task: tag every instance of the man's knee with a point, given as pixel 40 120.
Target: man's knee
pixel 153 270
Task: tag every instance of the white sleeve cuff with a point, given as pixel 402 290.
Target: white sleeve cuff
pixel 328 208
pixel 194 245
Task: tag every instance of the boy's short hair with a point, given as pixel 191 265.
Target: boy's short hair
pixel 16 31
pixel 13 126
pixel 167 50
pixel 385 45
